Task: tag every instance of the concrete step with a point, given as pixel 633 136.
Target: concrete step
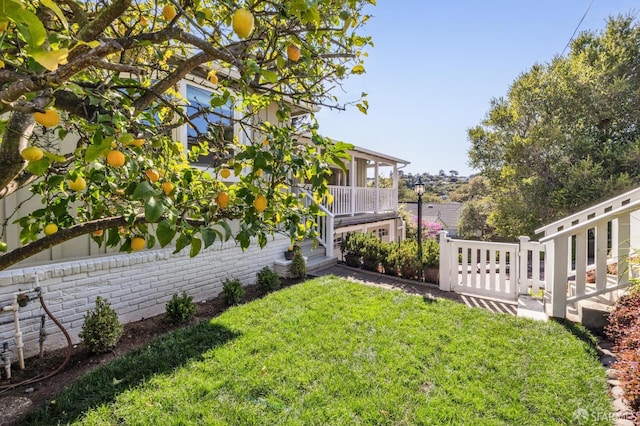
pixel 531 307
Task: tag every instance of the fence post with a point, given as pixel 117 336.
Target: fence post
pixel 523 271
pixel 446 264
pixel 556 260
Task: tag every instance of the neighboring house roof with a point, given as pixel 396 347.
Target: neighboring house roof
pixel 447 214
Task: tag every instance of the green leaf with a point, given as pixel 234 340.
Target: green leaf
pixel 358 69
pixel 50 59
pixel 54 158
pixel 143 190
pixel 51 5
pixel 97 150
pixel 153 209
pixel 165 233
pixel 208 236
pixel 196 245
pixel 27 23
pixel 39 167
pixel 182 241
pixel 270 76
pixel 227 230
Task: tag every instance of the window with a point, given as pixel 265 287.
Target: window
pixel 212 127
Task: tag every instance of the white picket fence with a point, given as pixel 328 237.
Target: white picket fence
pixel 497 270
pixel 587 255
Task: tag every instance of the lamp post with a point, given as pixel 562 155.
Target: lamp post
pixel 418 187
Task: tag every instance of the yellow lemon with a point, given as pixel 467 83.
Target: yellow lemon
pixel 225 173
pixel 78 185
pixel 115 158
pixel 138 243
pixel 293 53
pixel 260 203
pixel 169 12
pixel 167 188
pixel 32 153
pixel 222 199
pixel 50 229
pixel 49 118
pixel 213 78
pixel 137 143
pixel 242 23
pixel 152 175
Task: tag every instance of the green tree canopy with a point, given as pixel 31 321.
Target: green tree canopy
pixel 105 78
pixel 566 135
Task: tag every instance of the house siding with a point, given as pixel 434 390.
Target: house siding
pixel 137 285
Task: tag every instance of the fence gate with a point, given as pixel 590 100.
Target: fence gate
pixel 497 270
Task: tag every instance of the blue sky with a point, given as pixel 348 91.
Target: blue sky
pixel 436 65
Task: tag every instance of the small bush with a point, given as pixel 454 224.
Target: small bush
pixel 371 253
pixel 268 280
pixel 405 259
pixel 431 253
pixel 232 291
pixel 298 268
pixel 101 329
pixel 180 309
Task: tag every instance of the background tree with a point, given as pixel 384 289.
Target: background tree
pixel 91 86
pixel 566 135
pixel 475 194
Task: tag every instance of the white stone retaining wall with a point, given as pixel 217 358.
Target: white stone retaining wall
pixel 137 285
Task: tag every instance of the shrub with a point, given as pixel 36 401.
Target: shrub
pixel 101 329
pixel 298 267
pixel 431 253
pixel 371 252
pixel 180 309
pixel 405 259
pixel 624 330
pixel 232 291
pixel 386 252
pixel 268 280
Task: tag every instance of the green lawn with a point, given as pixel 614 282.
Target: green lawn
pixel 333 352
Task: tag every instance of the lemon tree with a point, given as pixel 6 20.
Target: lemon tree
pixel 90 90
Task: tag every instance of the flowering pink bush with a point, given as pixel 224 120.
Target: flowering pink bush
pixel 429 229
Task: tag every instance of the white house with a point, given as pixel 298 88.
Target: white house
pixel 138 285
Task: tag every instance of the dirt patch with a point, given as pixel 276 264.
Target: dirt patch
pixel 135 335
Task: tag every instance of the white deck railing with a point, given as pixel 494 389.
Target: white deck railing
pixel 354 200
pixel 569 259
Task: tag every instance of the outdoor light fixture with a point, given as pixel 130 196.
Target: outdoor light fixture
pixel 418 187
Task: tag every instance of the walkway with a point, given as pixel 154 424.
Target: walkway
pixel 425 290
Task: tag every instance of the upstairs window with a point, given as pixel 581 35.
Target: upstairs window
pixel 214 127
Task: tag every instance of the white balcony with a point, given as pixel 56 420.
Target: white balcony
pixel 350 201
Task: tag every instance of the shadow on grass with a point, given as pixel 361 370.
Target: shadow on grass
pixel 579 331
pixel 104 384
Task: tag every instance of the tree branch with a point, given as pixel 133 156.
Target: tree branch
pixel 21 253
pixel 105 17
pixel 165 84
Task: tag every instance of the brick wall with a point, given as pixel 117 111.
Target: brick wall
pixel 137 285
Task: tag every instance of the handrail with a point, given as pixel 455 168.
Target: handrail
pixel 325 227
pixel 631 197
pixel 591 222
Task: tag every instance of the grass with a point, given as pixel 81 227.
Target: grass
pixel 333 352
